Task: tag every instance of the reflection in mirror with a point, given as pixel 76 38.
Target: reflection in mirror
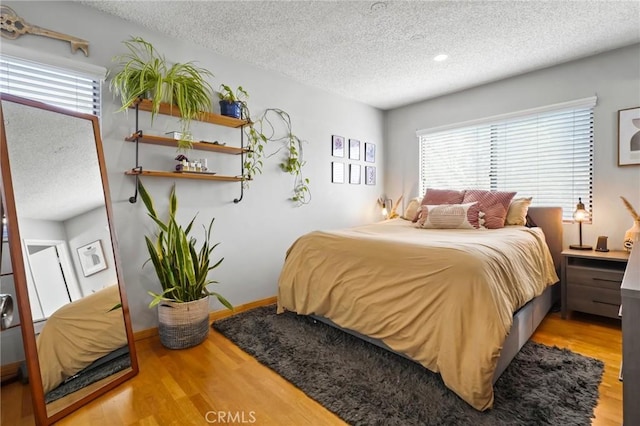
pixel 75 325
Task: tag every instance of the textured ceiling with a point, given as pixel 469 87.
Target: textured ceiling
pixel 381 53
pixel 54 165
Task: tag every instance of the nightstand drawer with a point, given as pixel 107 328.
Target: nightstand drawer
pixel 599 301
pixel 601 278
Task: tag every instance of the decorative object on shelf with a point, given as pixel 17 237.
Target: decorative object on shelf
pixel 144 73
pixel 632 235
pixel 337 146
pixel 184 165
pixel 354 174
pixel 354 149
pixel 231 102
pixel 369 152
pixel 629 136
pixel 370 175
pixel 183 270
pixel 92 258
pixel 337 172
pixel 580 215
pixel 13 26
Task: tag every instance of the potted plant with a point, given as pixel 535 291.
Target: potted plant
pixel 231 103
pixel 273 125
pixel 144 73
pixel 183 271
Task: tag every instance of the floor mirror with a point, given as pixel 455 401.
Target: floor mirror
pixel 69 333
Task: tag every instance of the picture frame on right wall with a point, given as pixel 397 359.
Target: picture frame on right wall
pixel 629 136
pixel 369 175
pixel 369 152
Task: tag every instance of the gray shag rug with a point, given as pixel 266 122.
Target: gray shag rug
pixel 366 385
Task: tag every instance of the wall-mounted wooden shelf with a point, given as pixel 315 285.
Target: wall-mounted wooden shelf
pixel 202 146
pixel 183 175
pixel 207 117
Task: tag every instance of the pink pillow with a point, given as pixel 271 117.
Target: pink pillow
pixel 435 197
pixel 494 205
pixel 450 216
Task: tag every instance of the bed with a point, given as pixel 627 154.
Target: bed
pixel 78 334
pixel 444 298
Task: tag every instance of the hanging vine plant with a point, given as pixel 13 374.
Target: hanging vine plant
pixel 274 126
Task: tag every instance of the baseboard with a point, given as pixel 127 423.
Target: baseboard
pixel 215 315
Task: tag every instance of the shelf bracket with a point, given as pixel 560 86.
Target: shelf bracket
pixel 133 199
pixel 137 168
pixel 237 200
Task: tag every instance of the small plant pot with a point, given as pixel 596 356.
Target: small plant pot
pixel 231 109
pixel 183 325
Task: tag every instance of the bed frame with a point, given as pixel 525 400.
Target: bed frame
pixel 528 317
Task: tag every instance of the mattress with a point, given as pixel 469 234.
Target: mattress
pixel 444 298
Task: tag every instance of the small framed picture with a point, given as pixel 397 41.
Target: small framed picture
pixel 369 152
pixel 337 146
pixel 354 149
pixel 92 258
pixel 370 175
pixel 629 136
pixel 354 174
pixel 337 172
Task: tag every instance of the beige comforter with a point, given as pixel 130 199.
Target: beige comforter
pixel 79 333
pixel 445 298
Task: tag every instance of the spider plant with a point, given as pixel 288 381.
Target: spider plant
pixel 181 268
pixel 144 73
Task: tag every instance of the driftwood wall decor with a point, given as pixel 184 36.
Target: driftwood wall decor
pixel 13 26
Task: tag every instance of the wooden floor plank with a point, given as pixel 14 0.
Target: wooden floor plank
pixel 218 378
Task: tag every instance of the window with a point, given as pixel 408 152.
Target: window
pixel 48 84
pixel 545 153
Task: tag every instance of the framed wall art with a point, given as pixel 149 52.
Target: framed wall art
pixel 354 174
pixel 370 175
pixel 354 149
pixel 337 172
pixel 337 146
pixel 629 136
pixel 369 152
pixel 92 258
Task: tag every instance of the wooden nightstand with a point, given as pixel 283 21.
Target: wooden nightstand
pixel 591 281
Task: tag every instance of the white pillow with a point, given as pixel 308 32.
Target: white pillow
pixel 449 216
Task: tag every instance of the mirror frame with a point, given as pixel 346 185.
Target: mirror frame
pixel 17 262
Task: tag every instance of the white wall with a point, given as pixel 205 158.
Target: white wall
pixel 613 76
pixel 254 234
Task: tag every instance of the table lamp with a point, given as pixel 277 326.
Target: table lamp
pixel 580 215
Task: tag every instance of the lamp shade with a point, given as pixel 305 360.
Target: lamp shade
pixel 580 214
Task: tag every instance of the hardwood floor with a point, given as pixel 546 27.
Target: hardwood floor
pixel 218 382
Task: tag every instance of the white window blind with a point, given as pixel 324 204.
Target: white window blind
pixel 545 155
pixel 51 85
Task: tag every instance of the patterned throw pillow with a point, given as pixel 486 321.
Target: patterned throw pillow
pixel 494 205
pixel 435 197
pixel 517 213
pixel 449 216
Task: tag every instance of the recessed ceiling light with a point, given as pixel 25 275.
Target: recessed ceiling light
pixel 440 57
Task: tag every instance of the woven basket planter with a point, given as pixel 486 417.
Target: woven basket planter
pixel 183 325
